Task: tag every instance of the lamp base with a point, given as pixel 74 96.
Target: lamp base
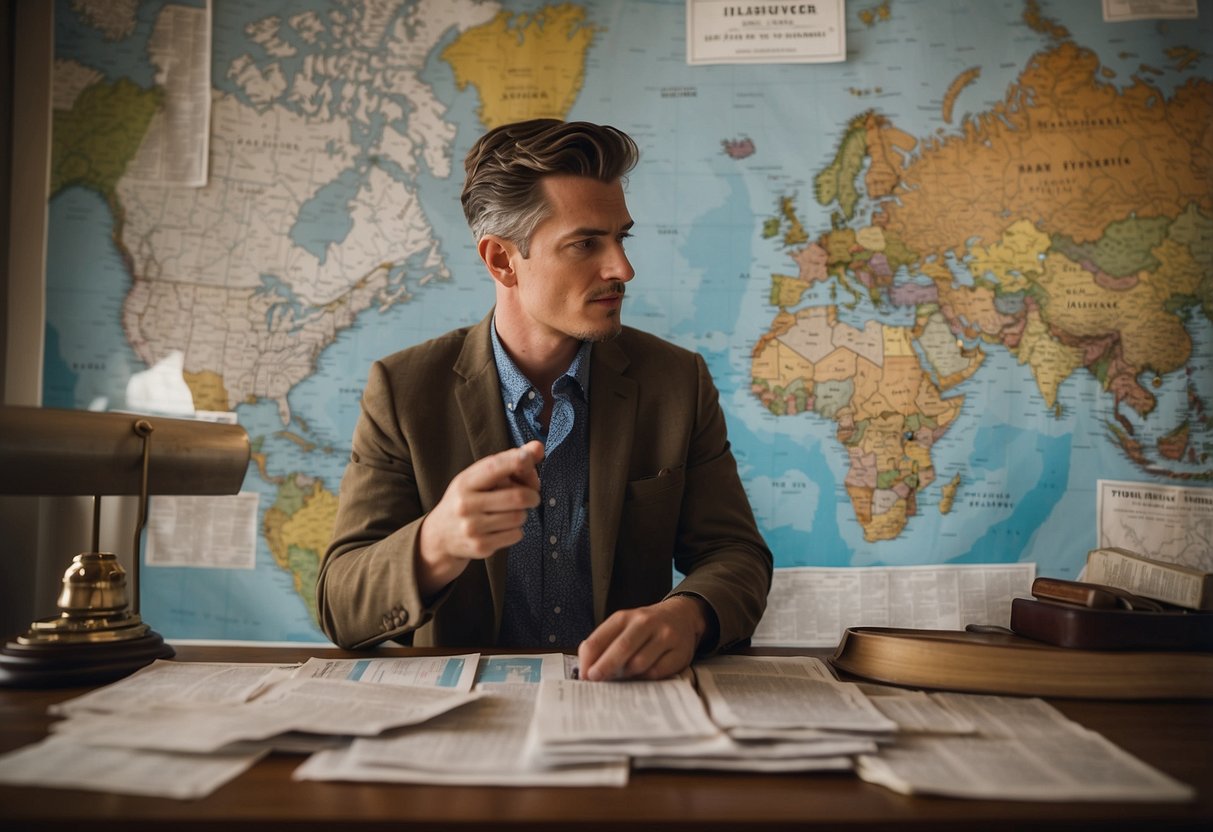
pixel 61 665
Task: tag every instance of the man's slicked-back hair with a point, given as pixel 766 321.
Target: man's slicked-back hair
pixel 503 193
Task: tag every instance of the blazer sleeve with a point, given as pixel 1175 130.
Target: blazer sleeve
pixel 366 591
pixel 719 549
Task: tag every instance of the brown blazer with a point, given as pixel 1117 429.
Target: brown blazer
pixel 664 492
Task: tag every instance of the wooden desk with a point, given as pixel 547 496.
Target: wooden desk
pixel 1176 737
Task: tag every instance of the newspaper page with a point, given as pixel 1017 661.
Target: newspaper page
pixel 487 743
pixel 1064 767
pixel 176 146
pixel 217 532
pixel 449 672
pixel 812 606
pixel 1023 749
pixel 316 706
pixel 573 711
pixel 170 684
pixel 761 701
pixel 727 32
pixel 1171 523
pixel 61 762
pixel 917 712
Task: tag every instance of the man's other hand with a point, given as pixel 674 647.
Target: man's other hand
pixel 650 642
pixel 482 510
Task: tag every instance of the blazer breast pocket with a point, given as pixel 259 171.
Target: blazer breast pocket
pixel 666 483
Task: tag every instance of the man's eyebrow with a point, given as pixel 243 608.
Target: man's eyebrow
pixel 597 232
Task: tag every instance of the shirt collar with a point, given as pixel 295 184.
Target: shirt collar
pixel 514 384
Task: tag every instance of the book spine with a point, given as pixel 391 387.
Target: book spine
pixel 1153 580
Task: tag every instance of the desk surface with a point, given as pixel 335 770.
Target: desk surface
pixel 1175 737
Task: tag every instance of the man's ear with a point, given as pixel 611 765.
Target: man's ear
pixel 498 255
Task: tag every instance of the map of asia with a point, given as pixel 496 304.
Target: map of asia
pixel 944 287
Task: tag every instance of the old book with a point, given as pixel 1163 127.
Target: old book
pixel 1068 625
pixel 999 662
pixel 1093 596
pixel 1162 581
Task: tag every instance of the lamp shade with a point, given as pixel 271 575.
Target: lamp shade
pixel 44 451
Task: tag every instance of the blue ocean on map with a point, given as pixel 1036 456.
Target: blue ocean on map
pixel 1021 469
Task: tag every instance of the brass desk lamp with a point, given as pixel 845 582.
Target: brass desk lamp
pixel 98 635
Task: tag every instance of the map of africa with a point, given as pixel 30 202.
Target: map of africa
pixel 944 287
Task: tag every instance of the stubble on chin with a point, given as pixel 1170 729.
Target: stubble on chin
pixel 607 332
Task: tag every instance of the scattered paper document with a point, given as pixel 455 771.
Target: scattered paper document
pixel 1024 749
pixel 813 606
pixel 169 684
pixel 1072 766
pixel 316 706
pixel 738 699
pixel 337 765
pixel 456 673
pixel 917 712
pixel 60 761
pixel 523 669
pixel 610 712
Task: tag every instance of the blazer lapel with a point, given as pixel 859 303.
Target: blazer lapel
pixel 613 402
pixel 479 397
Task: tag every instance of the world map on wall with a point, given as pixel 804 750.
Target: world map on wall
pixel 944 287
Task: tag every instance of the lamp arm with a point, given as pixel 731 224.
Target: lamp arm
pixel 143 428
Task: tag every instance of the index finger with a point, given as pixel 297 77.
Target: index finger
pixel 513 467
pixel 592 654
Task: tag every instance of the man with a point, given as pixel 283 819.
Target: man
pixel 531 481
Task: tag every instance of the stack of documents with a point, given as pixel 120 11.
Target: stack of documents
pixel 1019 749
pixel 184 729
pixel 488 742
pixel 181 730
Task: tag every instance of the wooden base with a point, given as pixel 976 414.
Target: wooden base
pixel 67 665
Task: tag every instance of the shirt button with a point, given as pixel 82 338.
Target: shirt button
pixel 556 610
pixel 555 555
pixel 552 539
pixel 552 639
pixel 551 501
pixel 510 406
pixel 531 395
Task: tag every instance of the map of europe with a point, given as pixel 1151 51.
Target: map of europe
pixel 944 287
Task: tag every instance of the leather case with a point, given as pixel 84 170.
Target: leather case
pixel 1068 625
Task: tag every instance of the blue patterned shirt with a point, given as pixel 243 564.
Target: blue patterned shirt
pixel 549 600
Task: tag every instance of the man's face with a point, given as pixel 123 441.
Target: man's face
pixel 572 284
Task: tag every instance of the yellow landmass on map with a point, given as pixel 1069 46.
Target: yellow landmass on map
pixel 298 528
pixel 888 411
pixel 956 88
pixel 1051 362
pixel 1075 155
pixel 1014 259
pixel 525 65
pixel 207 389
pixel 947 497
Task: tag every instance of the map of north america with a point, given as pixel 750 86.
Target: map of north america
pixel 857 275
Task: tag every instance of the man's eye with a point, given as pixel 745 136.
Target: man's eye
pixel 585 245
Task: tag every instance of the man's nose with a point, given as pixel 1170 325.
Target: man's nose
pixel 618 267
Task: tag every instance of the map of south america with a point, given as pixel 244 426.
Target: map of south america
pixel 944 287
